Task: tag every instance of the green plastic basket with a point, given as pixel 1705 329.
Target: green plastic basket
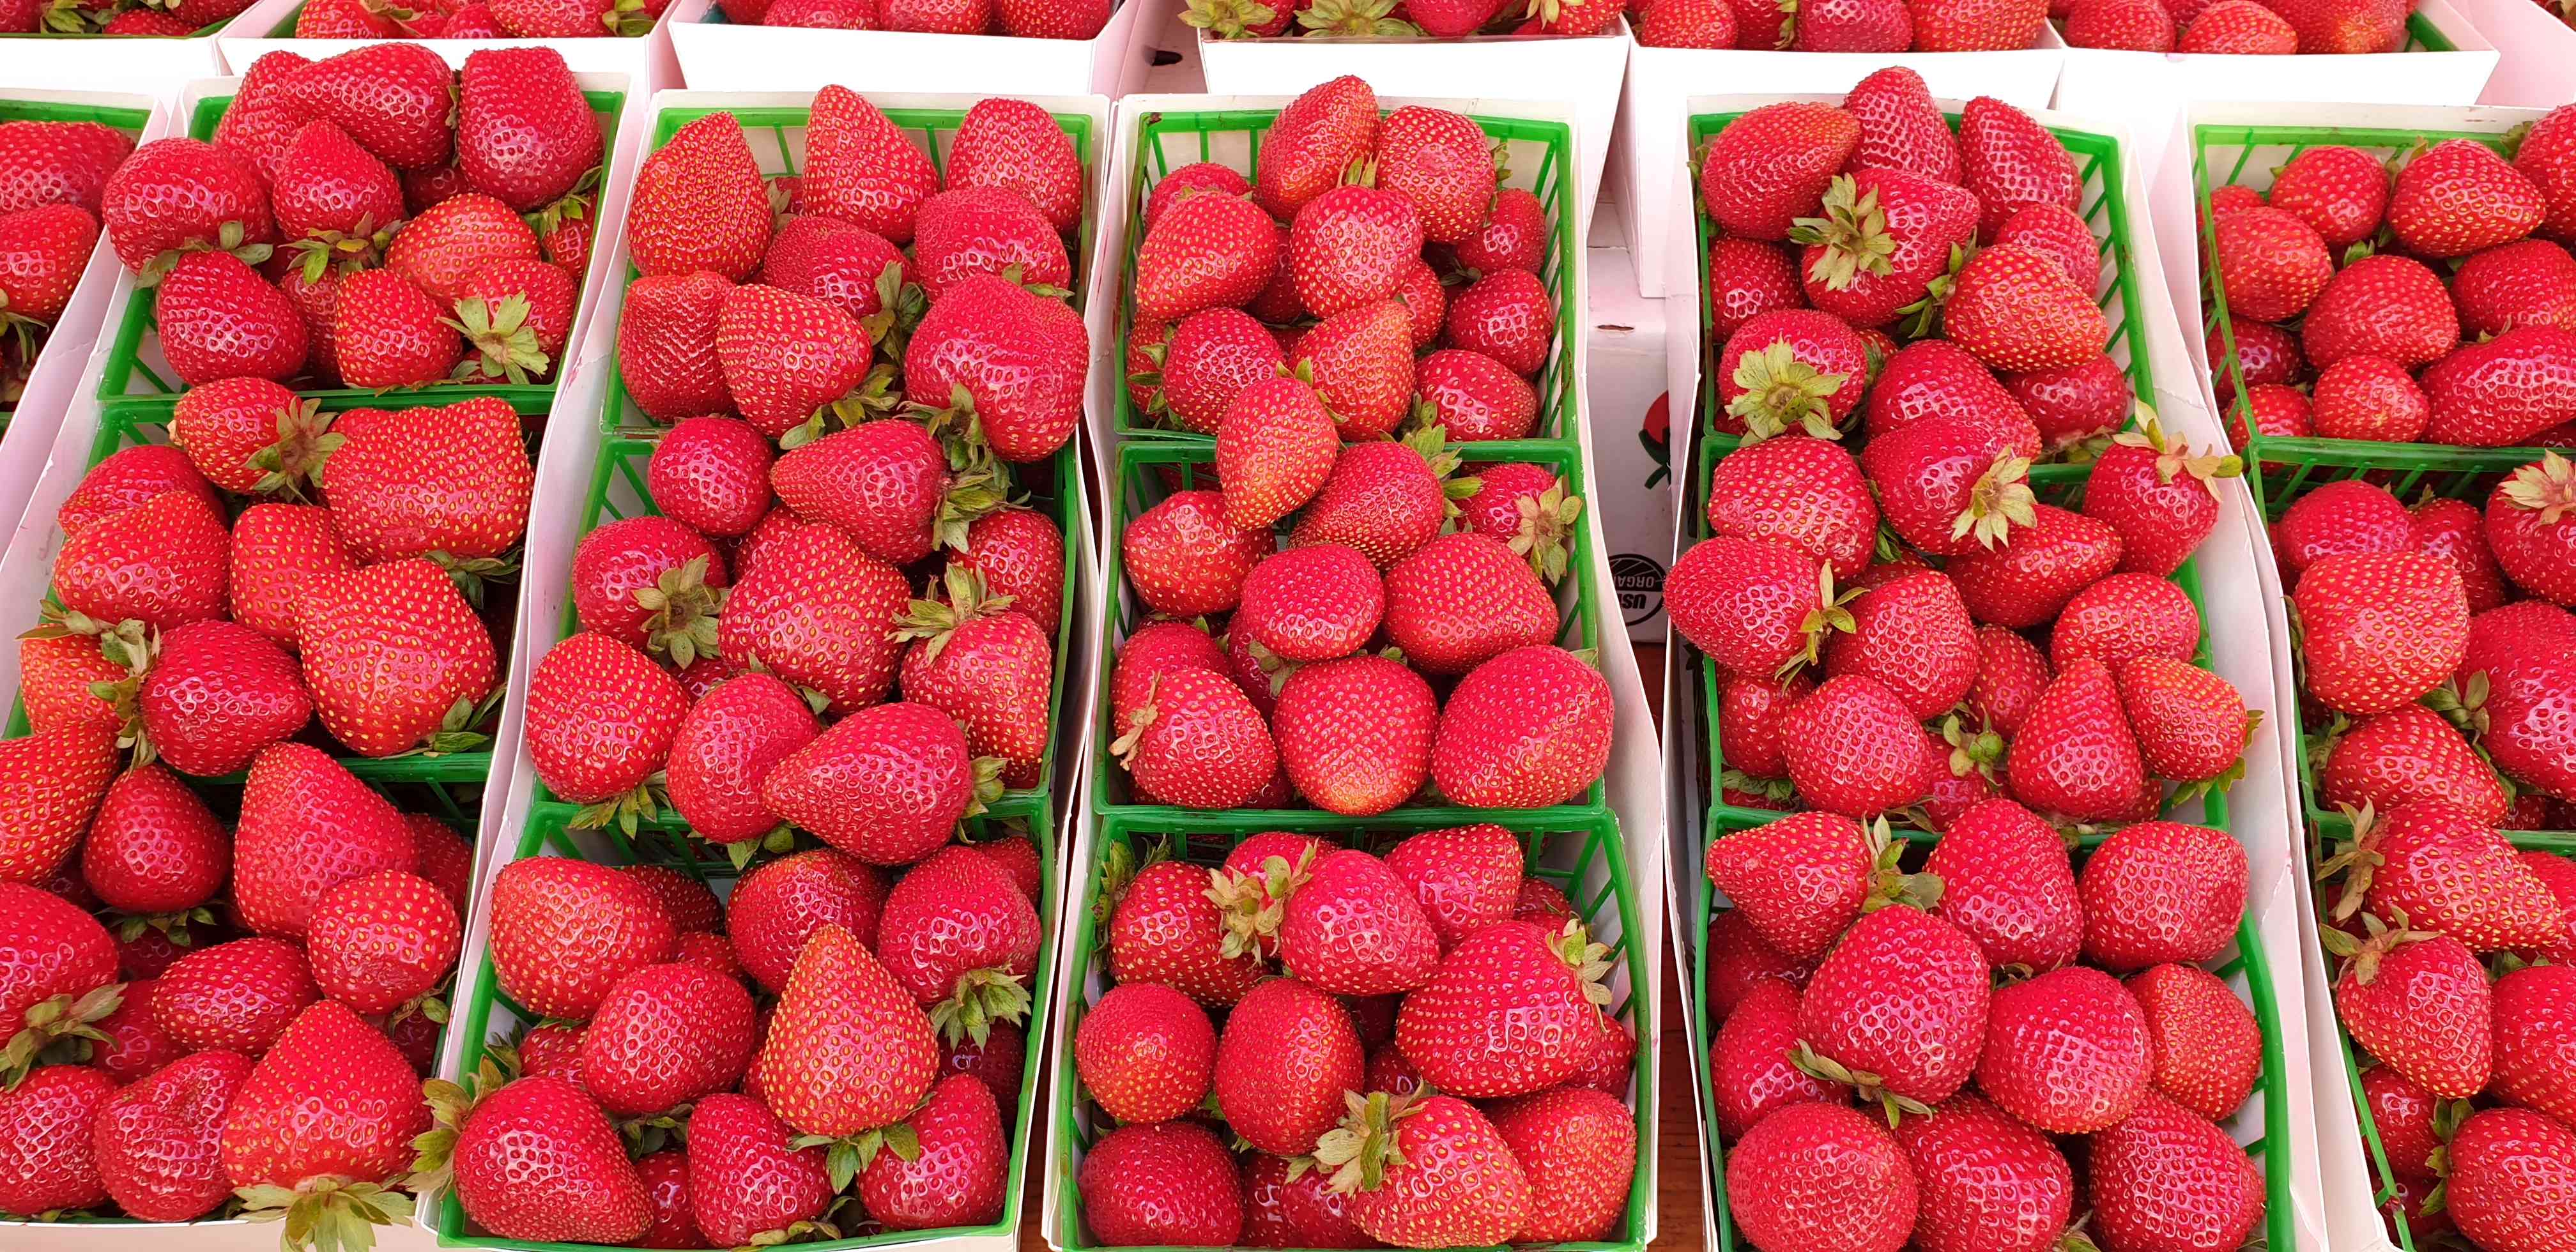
pixel 777 138
pixel 136 380
pixel 2279 469
pixel 1142 466
pixel 119 429
pixel 2101 164
pixel 1584 858
pixel 490 1016
pixel 1537 156
pixel 618 490
pixel 131 121
pixel 2246 969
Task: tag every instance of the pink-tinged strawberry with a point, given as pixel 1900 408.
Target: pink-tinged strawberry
pixel 154 846
pixel 1578 1149
pixel 218 318
pixel 1900 126
pixel 666 345
pixel 1750 1071
pixel 1283 1065
pixel 1002 363
pixel 2066 1052
pixel 2419 1002
pixel 1350 926
pixel 2005 881
pixel 1355 734
pixel 1146 1052
pixel 382 940
pixel 817 611
pixel 276 550
pixel 175 192
pixel 699 204
pixel 331 1101
pixel 1313 141
pixel 564 932
pixel 216 694
pixel 2191 724
pixel 2166 1178
pixel 156 1140
pixel 2512 1179
pixel 1527 729
pixel 2030 578
pixel 1160 1183
pixel 1473 397
pixel 2159 892
pixel 349 625
pixel 780 904
pixel 2379 629
pixel 1185 559
pixel 1897 964
pixel 2076 755
pixel 238 996
pixel 887 783
pixel 1772 165
pixel 54 780
pixel 960 937
pixel 2010 161
pixel 725 746
pixel 1816 1174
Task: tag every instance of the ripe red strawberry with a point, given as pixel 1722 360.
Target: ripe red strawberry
pixel 2527 530
pixel 2156 493
pixel 2459 196
pixel 332 1098
pixel 524 132
pixel 1185 559
pixel 347 624
pixel 2369 397
pixel 1312 142
pixel 49 1163
pixel 1864 26
pixel 1527 729
pixel 564 932
pixel 2014 308
pixel 2527 283
pixel 2191 724
pixel 1792 369
pixel 1473 397
pixel 1197 742
pixel 1853 748
pixel 786 356
pixel 332 196
pixel 1355 734
pixel 819 612
pixel 601 717
pixel 1897 964
pixel 647 582
pixel 1883 237
pixel 1747 277
pixel 238 996
pixel 163 562
pixel 2340 517
pixel 2341 192
pixel 1801 881
pixel 2503 391
pixel 63 968
pixel 2124 616
pixel 699 204
pixel 1146 1052
pixel 54 677
pixel 1361 364
pixel 1426 1170
pixel 224 196
pixel 2030 578
pixel 2165 1177
pixel 1283 1065
pixel 2511 1170
pixel 848 1051
pixel 1351 927
pixel 393 99
pixel 2242 28
pixel 1443 164
pixel 2010 161
pixel 1311 603
pixel 2005 881
pixel 1004 363
pixel 1759 608
pixel 747 1176
pixel 859 167
pixel 1350 246
pixel 2271 264
pixel 2208 1050
pixel 54 780
pixel 2159 892
pixel 1017 145
pixel 307 825
pixel 1203 252
pixel 387 333
pixel 1937 378
pixel 1384 499
pixel 1912 634
pixel 47 249
pixel 958 1176
pixel 2076 404
pixel 710 474
pixel 2076 754
pixel 1900 127
pixel 1771 166
pixel 45 162
pixel 666 345
pixel 1274 451
pixel 1160 1183
pixel 1164 928
pixel 1209 358
pixel 154 847
pixel 2439 866
pixel 780 904
pixel 2409 753
pixel 2532 1065
pixel 1751 1074
pixel 884 484
pixel 960 937
pixel 156 1139
pixel 1948 485
pixel 217 693
pixel 2125 24
pixel 1984 1180
pixel 1578 1149
pixel 1467 877
pixel 886 784
pixel 276 550
pixel 2386 306
pixel 2379 629
pixel 517 315
pixel 1815 1172
pixel 536 1160
pixel 2420 1002
pixel 219 319
pixel 2066 1052
pixel 382 940
pixel 226 426
pixel 1507 315
pixel 448 244
pixel 665 1035
pixel 1738 961
pixel 1452 1029
pixel 985 230
pixel 2407 1118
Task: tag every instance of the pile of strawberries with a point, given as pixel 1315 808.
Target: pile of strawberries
pixel 1453 573
pixel 53 176
pixel 2434 306
pixel 1980 1009
pixel 696 1074
pixel 1432 1067
pixel 2434 646
pixel 476 19
pixel 358 222
pixel 1918 574
pixel 1402 19
pixel 1879 26
pixel 162 18
pixel 772 587
pixel 2238 27
pixel 1019 19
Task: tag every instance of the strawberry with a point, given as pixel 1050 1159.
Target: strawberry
pixel 2191 724
pixel 2067 1052
pixel 1473 397
pixel 1312 142
pixel 1467 877
pixel 2010 161
pixel 819 612
pixel 1749 716
pixel 1355 734
pixel 2420 1002
pixel 219 319
pixel 156 1139
pixel 332 1099
pixel 328 191
pixel 517 315
pixel 960 937
pixel 175 192
pixel 2387 306
pixel 1384 499
pixel 842 264
pixel 2379 629
pixel 276 550
pixel 49 1162
pixel 536 1160
pixel 1900 126
pixel 1017 145
pixel 1747 278
pixel 1425 1170
pixel 2503 391
pixel 601 717
pixel 1209 358
pixel 1164 928
pixel 2124 616
pixel 1361 364
pixel 780 904
pixel 2208 1050
pixel 665 1035
pixel 1160 1183
pixel 55 675
pixel 54 780
pixel 959 1175
pixel 2124 24
pixel 154 847
pixel 985 230
pixel 1507 315
pixel 1203 252
pixel 786 356
pixel 2005 882
pixel 1442 164
pixel 1507 972
pixel 1912 634
pixel 564 932
pixel 2527 530
pixel 2340 517
pixel 1759 608
pixel 1197 742
pixel 1853 748
pixel 1801 881
pixel 381 940
pixel 63 971
pixel 225 424
pixel 711 474
pixel 2061 232
pixel 1946 485
pixel 648 582
pixel 392 98
pixel 1883 237
pixel 2459 196
pixel 2511 1172
pixel 2532 1065
pixel 2409 753
pixel 1984 1180
pixel 1184 558
pixel 2527 283
pixel 1772 165
pixel 216 694
pixel 58 163
pixel 1016 357
pixel 666 344
pixel 1275 450
pixel 1350 245
pixel 2272 265
pixel 749 1178
pixel 1311 603
pixel 848 1052
pixel 1146 1052
pixel 723 748
pixel 2369 397
pixel 2165 1178
pixel 387 333
pixel 1283 1064
pixel 2031 577
pixel 448 244
pixel 886 485
pixel 1897 964
pixel 2543 158
pixel 238 996
pixel 2159 892
pixel 2341 192
pixel 2240 28
pixel 1706 24
pixel 524 132
pixel 163 562
pixel 699 204
pixel 1864 26
pixel 48 247
pixel 1750 1072
pixel 2077 754
pixel 1527 729
pixel 2440 867
pixel 348 624
pixel 1793 369
pixel 1350 927
pixel 2014 308
pixel 1816 1174
pixel 1937 378
pixel 860 167
pixel 887 783
pixel 1578 1149
pixel 2156 493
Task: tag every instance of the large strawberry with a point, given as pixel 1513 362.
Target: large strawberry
pixel 699 204
pixel 1527 729
pixel 395 658
pixel 2528 531
pixel 1801 881
pixel 1515 972
pixel 1313 142
pixel 1147 1053
pixel 1898 965
pixel 2165 1177
pixel 860 167
pixel 2067 1052
pixel 323 1126
pixel 452 479
pixel 601 716
pixel 780 904
pixel 1791 370
pixel 2010 160
pixel 665 1035
pixel 725 746
pixel 1001 360
pixel 537 1160
pixel 1816 1174
pixel 61 974
pixel 1578 1148
pixel 218 692
pixel 238 996
pixel 2379 629
pixel 524 132
pixel 175 192
pixel 886 784
pixel 1984 1179
pixel 957 1176
pixel 564 931
pixel 2006 882
pixel 1284 1064
pixel 2503 391
pixel 1355 734
pixel 848 1051
pixel 219 319
pixel 1425 1170
pixel 2443 869
pixel 1949 485
pixel 1884 236
pixel 787 357
pixel 2157 493
pixel 1772 166
pixel 163 563
pixel 959 937
pixel 1164 1183
pixel 2512 1178
pixel 157 1139
pixel 307 825
pixel 1854 748
pixel 2161 891
pixel 666 345
pixel 819 612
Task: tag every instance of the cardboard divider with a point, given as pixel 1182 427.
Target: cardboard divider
pixel 154 65
pixel 269 26
pixel 717 55
pixel 1531 70
pixel 1652 158
pixel 2261 808
pixel 37 416
pixel 2538 69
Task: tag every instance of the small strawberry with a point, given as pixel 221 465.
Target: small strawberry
pixel 1160 1183
pixel 1854 748
pixel 1204 252
pixel 2379 629
pixel 1197 742
pixel 779 905
pixel 2191 724
pixel 1185 559
pixel 2010 161
pixel 1164 928
pixel 1286 1059
pixel 238 996
pixel 54 780
pixel 1146 1052
pixel 157 1138
pixel 959 936
pixel 218 319
pixel 2208 1049
pixel 2419 1001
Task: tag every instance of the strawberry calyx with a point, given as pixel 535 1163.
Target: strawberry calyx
pixel 469 573
pixel 1852 233
pixel 1781 392
pixel 981 998
pixel 1926 312
pixel 2463 705
pixel 1254 903
pixel 1871 1087
pixel 874 398
pixel 1589 960
pixel 2074 1239
pixel 1274 668
pixel 2356 860
pixel 2363 955
pixel 2174 459
pixel 1017 275
pixel 2546 486
pixel 1832 613
pixel 1156 405
pixel 1977 752
pixel 1889 883
pixel 1430 440
pixel 1355 19
pixel 458 730
pixel 628 809
pixel 936 619
pixel 304 442
pixel 349 251
pixel 627 19
pixel 979 490
pixel 845 1156
pixel 1228 19
pixel 779 839
pixel 1359 1150
pixel 1547 529
pixel 499 331
pixel 1118 867
pixel 646 1135
pixel 987 772
pixel 173 925
pixel 574 205
pixel 229 237
pixel 53 1019
pixel 2000 500
pixel 328 1212
pixel 68 17
pixel 1778 790
pixel 684 611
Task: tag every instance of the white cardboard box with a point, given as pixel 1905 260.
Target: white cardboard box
pixel 2538 69
pixel 1627 337
pixel 1583 74
pixel 38 414
pixel 719 56
pixel 269 26
pixel 2264 813
pixel 156 67
pixel 2146 91
pixel 1654 154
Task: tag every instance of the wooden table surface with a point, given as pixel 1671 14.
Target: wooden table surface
pixel 1678 1191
